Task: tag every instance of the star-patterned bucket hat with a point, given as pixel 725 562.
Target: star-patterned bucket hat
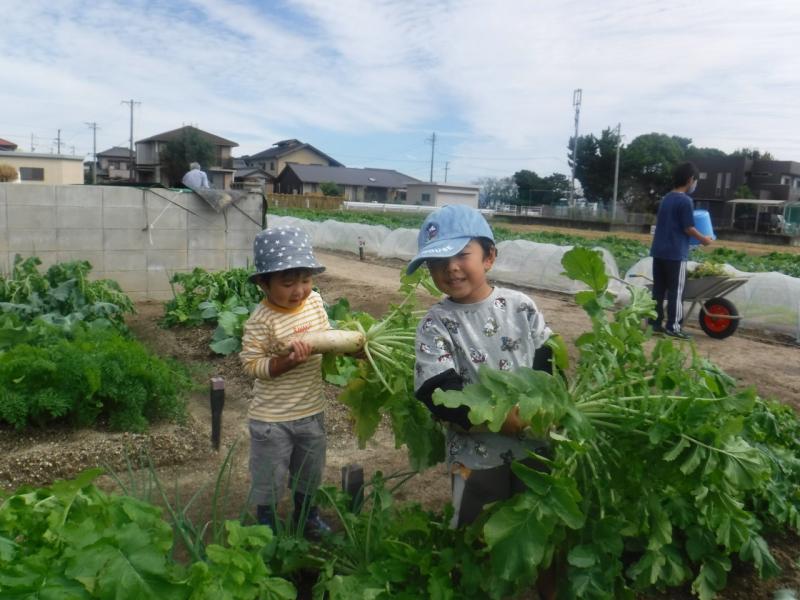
pixel 283 248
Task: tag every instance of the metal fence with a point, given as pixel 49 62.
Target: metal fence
pixel 586 213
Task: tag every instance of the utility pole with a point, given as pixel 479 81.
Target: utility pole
pixel 93 127
pixel 432 140
pixel 132 103
pixel 58 142
pixel 33 148
pixel 446 169
pixel 576 102
pixel 616 175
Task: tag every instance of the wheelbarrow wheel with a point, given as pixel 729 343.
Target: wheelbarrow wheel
pixel 719 327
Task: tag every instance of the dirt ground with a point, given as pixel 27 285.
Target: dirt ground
pixel 186 464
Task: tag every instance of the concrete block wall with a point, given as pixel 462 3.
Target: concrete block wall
pixel 137 237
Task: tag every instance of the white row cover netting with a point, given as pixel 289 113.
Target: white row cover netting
pixel 768 302
pixel 333 235
pixel 519 262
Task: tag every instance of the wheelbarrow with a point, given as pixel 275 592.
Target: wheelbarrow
pixel 717 315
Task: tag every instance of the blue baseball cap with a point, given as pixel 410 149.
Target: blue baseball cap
pixel 446 231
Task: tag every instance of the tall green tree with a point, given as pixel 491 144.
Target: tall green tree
pixel 558 183
pixel 753 154
pixel 594 168
pixel 189 147
pixel 694 153
pixel 647 164
pixel 533 189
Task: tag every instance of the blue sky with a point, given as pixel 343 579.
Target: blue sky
pixel 368 81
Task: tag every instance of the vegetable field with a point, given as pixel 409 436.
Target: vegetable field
pixel 626 250
pixel 393 549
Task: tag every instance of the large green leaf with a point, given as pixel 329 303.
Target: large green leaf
pixel 518 537
pixel 129 567
pixel 583 264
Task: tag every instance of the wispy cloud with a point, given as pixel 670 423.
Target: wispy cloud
pixel 495 78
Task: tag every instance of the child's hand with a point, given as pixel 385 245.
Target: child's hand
pixel 300 352
pixel 513 424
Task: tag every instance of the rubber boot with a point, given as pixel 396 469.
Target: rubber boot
pixel 314 526
pixel 265 515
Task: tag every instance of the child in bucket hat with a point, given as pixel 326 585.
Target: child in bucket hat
pixel 285 417
pixel 476 324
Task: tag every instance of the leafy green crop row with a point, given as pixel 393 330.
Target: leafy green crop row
pixel 223 298
pixel 779 262
pixel 65 355
pixel 63 295
pixel 95 373
pixel 626 252
pixel 75 542
pixel 662 469
pixel 71 540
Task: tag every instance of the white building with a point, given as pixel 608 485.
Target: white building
pixel 440 194
pixel 36 167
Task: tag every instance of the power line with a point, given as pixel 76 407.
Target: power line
pixel 500 157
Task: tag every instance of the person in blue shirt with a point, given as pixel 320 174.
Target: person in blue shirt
pixel 670 249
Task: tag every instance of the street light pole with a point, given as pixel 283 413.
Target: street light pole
pixel 576 102
pixel 616 175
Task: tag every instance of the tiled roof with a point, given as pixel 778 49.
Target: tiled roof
pixel 285 147
pixel 117 152
pixel 169 136
pixel 386 178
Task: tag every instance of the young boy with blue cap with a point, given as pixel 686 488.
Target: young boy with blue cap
pixel 476 324
pixel 286 419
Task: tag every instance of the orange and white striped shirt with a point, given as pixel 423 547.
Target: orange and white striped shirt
pixel 298 392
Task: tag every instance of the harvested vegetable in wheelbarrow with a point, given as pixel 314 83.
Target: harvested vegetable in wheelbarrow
pixel 707 269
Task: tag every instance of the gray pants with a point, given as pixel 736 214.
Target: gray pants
pixel 293 447
pixel 482 486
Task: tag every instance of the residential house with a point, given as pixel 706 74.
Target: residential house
pixel 721 179
pixel 274 159
pixel 150 166
pixel 440 194
pixel 356 185
pixel 250 178
pixel 36 167
pixel 114 164
pixel 6 146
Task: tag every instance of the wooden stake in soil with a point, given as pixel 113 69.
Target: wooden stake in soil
pixel 217 399
pixel 353 484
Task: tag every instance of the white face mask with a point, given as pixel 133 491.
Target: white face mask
pixel 692 187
